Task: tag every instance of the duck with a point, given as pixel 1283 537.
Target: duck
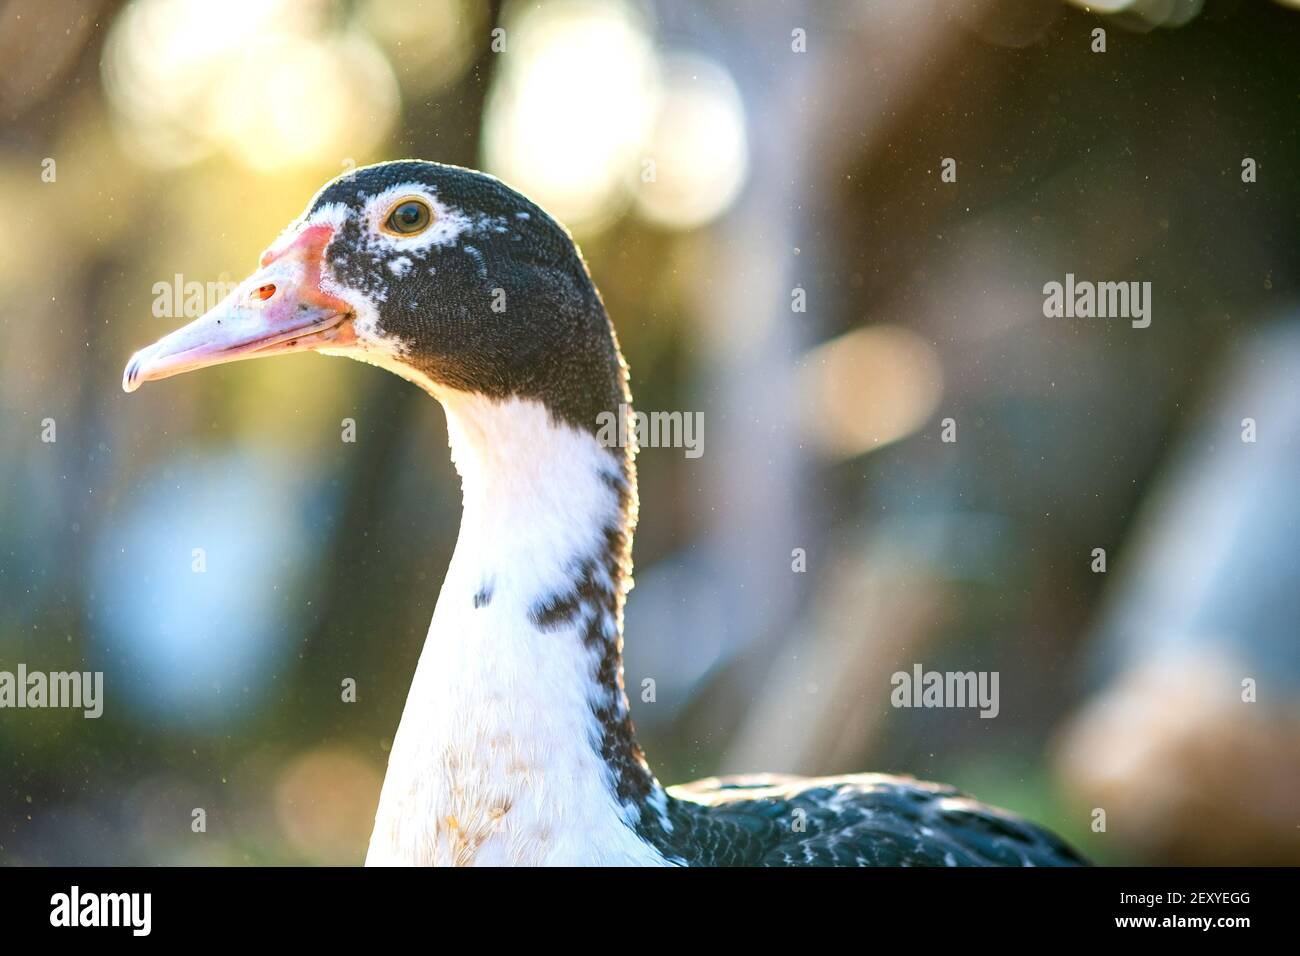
pixel 516 746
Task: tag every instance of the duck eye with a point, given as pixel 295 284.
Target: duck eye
pixel 409 217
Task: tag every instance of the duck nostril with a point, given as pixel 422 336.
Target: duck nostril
pixel 264 292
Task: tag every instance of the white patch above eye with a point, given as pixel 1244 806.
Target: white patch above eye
pixel 399 266
pixel 446 228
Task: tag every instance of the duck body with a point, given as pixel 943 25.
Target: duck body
pixel 516 745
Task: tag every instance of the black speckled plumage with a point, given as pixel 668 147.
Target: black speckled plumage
pixel 555 344
pixel 856 820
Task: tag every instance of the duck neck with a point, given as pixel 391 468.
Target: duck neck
pixel 516 744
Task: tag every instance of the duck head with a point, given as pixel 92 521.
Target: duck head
pixel 444 275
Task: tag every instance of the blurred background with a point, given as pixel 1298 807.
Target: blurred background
pixel 714 160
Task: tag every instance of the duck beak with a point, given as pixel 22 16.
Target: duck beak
pixel 278 309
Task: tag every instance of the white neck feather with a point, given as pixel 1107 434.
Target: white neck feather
pixel 497 758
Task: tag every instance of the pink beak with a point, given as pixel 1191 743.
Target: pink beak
pixel 278 309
